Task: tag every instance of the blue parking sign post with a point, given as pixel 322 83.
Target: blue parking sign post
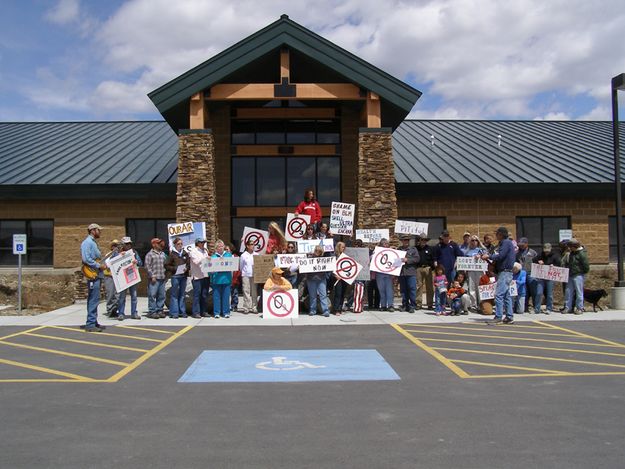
pixel 19 249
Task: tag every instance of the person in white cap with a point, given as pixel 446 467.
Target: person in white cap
pixel 121 307
pixel 93 266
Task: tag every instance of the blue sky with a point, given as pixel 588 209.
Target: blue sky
pixel 477 59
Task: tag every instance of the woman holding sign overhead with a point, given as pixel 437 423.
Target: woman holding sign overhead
pixel 277 241
pixel 317 285
pixel 310 206
pixel 385 285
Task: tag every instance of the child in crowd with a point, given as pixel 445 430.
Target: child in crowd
pixel 486 306
pixel 520 277
pixel 455 297
pixel 440 290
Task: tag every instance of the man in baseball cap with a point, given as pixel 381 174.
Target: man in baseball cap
pixel 92 269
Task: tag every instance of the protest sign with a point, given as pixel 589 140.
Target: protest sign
pixel 342 218
pixel 487 292
pixel 316 264
pixel 372 236
pixel 262 267
pixel 361 255
pixel 565 235
pixel 471 264
pixel 296 226
pixel 387 261
pixel 256 236
pixel 220 264
pixel 125 273
pixel 188 232
pixel 286 260
pixel 411 228
pixel 550 272
pixel 347 268
pixel 280 304
pixel 307 246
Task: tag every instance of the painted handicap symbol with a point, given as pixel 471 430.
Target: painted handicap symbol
pixel 282 364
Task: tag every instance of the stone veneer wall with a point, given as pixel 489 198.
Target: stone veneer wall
pixel 196 197
pixel 376 205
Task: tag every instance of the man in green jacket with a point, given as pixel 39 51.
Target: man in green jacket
pixel 577 262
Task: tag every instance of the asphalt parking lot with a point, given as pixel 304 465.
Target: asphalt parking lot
pixel 471 395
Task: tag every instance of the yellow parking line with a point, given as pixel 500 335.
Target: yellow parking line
pixel 67 354
pixel 516 325
pixel 107 334
pixel 120 374
pixel 22 332
pixel 581 334
pixel 523 368
pixel 456 369
pixel 46 370
pixel 511 330
pixel 95 344
pixel 524 346
pixel 44 380
pixel 567 360
pixel 145 329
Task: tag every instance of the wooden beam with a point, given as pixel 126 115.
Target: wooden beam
pixel 197 112
pixel 285 66
pixel 374 115
pixel 265 91
pixel 271 211
pixel 286 113
pixel 284 150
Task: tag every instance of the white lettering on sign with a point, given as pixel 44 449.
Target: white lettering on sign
pixel 19 244
pixel 188 232
pixel 219 264
pixel 372 236
pixel 342 218
pixel 487 292
pixel 470 263
pixel 316 264
pixel 550 272
pixel 411 228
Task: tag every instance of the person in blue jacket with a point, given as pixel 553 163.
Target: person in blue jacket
pixel 520 277
pixel 221 281
pixel 504 259
pixel 446 253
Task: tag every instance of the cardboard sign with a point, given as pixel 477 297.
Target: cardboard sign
pixel 361 255
pixel 550 272
pixel 411 228
pixel 565 234
pixel 307 246
pixel 188 232
pixel 287 260
pixel 316 264
pixel 262 267
pixel 471 264
pixel 347 268
pixel 280 304
pixel 372 236
pixel 387 261
pixel 220 264
pixel 296 226
pixel 260 239
pixel 487 292
pixel 342 218
pixel 124 272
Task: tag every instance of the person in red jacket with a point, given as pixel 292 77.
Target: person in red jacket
pixel 310 206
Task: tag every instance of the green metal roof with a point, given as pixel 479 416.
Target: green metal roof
pixel 278 34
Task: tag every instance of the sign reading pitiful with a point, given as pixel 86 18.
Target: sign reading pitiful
pixel 411 228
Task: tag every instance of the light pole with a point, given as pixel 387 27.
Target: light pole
pixel 618 83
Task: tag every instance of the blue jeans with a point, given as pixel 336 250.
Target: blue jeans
pixel 200 295
pixel 93 286
pixel 156 296
pixel 545 286
pixel 531 284
pixel 519 303
pixel 234 297
pixel 317 287
pixel 456 305
pixel 575 284
pixel 385 286
pixel 177 305
pixel 408 289
pixel 503 300
pixel 221 299
pixel 133 301
pixel 440 300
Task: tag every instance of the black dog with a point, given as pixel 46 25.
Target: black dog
pixel 593 296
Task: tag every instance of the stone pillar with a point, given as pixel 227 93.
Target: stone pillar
pixel 376 199
pixel 196 193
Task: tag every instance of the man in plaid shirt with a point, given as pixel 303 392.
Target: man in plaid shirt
pixel 155 266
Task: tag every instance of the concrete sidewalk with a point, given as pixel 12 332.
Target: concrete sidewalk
pixel 76 314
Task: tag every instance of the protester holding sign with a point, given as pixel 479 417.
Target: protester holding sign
pixel 408 276
pixel 525 256
pixel 385 285
pixel 446 253
pixel 317 286
pixel 340 286
pixel 547 257
pixel 155 266
pixel 247 278
pixel 310 206
pixel 577 263
pixel 486 306
pixel 177 266
pixel 425 268
pixel 121 308
pixel 324 232
pixel 504 260
pixel 475 250
pixel 199 279
pixel 277 242
pixel 221 282
pixel 291 274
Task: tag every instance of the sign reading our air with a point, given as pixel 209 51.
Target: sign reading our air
pixel 307 246
pixel 342 218
pixel 124 271
pixel 256 236
pixel 550 272
pixel 471 264
pixel 188 232
pixel 387 261
pixel 316 264
pixel 347 269
pixel 296 226
pixel 411 228
pixel 487 292
pixel 219 264
pixel 372 236
pixel 280 304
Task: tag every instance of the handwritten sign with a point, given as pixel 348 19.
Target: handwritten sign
pixel 256 236
pixel 287 260
pixel 220 264
pixel 307 246
pixel 280 304
pixel 188 232
pixel 411 228
pixel 342 218
pixel 387 261
pixel 347 268
pixel 372 236
pixel 487 292
pixel 296 226
pixel 262 267
pixel 125 273
pixel 361 255
pixel 316 264
pixel 469 263
pixel 550 272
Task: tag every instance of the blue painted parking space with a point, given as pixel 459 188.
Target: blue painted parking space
pixel 241 366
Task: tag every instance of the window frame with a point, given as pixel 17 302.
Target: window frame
pixel 135 240
pixel 538 247
pixel 26 260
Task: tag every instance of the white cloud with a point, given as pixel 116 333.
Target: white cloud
pixel 64 12
pixel 554 116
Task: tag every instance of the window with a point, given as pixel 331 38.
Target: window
pixel 541 230
pixel 39 242
pixel 291 132
pixel 612 237
pixel 239 224
pixel 141 231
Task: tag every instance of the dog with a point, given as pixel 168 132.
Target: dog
pixel 594 296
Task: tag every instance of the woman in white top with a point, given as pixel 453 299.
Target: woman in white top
pixel 246 267
pixel 200 281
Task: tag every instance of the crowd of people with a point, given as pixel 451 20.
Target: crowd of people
pixel 428 279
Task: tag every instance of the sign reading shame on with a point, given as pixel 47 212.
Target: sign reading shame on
pixel 342 218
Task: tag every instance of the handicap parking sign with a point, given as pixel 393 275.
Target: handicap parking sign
pixel 19 244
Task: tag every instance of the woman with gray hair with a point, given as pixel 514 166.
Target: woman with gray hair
pixel 221 282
